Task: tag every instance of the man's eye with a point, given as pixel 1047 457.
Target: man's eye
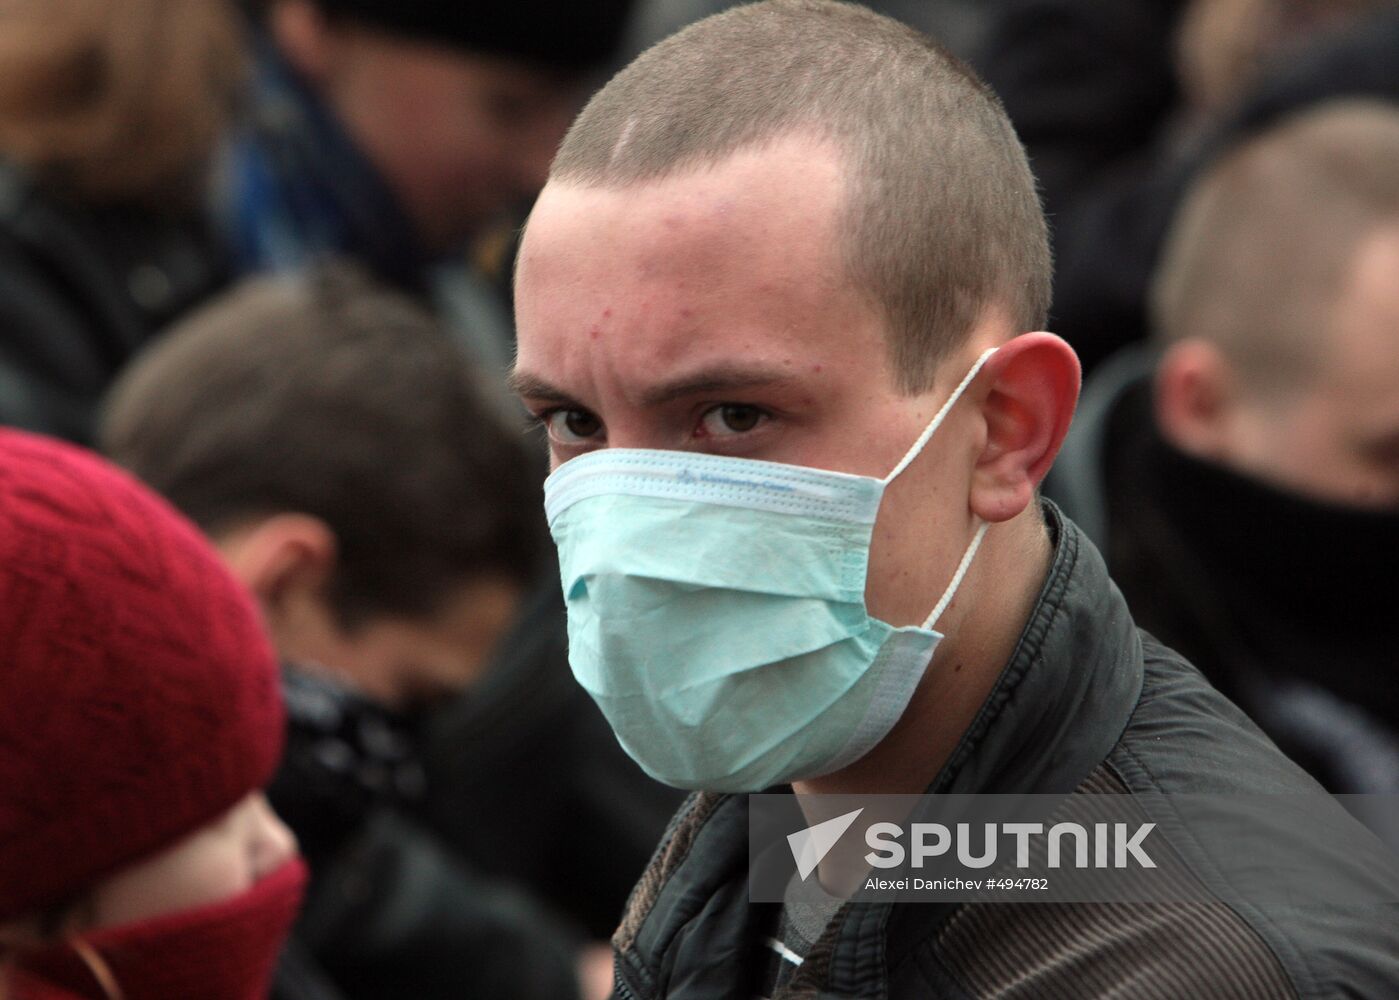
pixel 573 426
pixel 731 418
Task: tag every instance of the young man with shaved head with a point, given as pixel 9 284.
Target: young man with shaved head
pixel 773 309
pixel 1243 476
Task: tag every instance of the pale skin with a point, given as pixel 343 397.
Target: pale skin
pixel 709 310
pixel 218 861
pixel 1331 434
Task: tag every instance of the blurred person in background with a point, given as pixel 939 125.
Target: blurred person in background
pixel 110 112
pixel 1121 103
pixel 344 456
pixel 140 720
pixel 395 132
pixel 349 464
pixel 1223 49
pixel 1245 485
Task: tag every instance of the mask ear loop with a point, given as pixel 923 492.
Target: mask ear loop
pixel 962 568
pixel 913 453
pixel 936 422
pixel 99 969
pixel 14 947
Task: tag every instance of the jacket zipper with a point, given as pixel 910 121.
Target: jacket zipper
pixel 623 991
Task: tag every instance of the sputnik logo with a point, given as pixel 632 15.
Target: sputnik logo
pixel 811 845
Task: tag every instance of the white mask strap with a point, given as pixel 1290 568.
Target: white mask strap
pixel 962 568
pixel 912 453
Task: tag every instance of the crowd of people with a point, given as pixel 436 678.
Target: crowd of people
pixel 297 699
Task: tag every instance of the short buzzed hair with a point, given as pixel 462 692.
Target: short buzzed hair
pixel 329 395
pixel 1260 251
pixel 942 220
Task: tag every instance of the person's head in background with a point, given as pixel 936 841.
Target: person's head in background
pixel 1223 47
pixel 352 469
pixel 1277 301
pixel 141 718
pixel 118 100
pixel 459 107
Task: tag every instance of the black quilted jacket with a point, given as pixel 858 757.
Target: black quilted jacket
pixel 81 290
pixel 1087 703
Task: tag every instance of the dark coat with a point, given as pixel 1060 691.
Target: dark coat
pixel 391 911
pixel 1087 703
pixel 529 783
pixel 81 290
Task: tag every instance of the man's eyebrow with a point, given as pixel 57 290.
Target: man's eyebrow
pixel 718 379
pixel 533 387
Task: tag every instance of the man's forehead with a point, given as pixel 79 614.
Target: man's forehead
pixel 655 282
pixel 1359 353
pixel 728 206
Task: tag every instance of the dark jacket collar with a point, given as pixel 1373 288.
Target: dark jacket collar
pixel 1057 709
pixel 1063 699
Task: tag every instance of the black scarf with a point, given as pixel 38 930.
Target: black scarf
pixel 1254 583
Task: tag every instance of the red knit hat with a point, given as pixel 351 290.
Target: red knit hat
pixel 139 697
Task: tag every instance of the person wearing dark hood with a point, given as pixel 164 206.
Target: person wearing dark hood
pixel 1245 485
pixel 396 133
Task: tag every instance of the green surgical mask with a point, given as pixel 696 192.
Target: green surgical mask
pixel 716 611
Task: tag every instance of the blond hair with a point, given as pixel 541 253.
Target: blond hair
pixel 117 99
pixel 942 222
pixel 1259 251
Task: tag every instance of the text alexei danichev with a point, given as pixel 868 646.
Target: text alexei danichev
pixel 952 884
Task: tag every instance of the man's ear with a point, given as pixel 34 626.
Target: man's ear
pixel 281 557
pixel 1034 381
pixel 1194 395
